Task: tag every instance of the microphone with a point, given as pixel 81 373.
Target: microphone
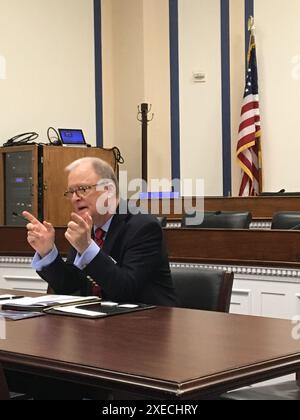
pixel 297 227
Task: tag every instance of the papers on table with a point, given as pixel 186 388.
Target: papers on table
pixel 88 307
pixel 49 300
pixel 17 315
pixel 8 299
pixel 76 311
pixel 3 297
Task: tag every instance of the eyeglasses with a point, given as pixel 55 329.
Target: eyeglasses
pixel 81 191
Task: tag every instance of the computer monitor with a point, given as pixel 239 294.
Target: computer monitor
pixel 71 137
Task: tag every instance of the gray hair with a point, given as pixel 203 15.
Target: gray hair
pixel 101 168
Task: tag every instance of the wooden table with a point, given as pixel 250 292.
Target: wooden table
pixel 163 353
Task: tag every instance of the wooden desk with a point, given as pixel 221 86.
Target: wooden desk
pixel 272 248
pixel 260 207
pixel 159 353
pixel 240 247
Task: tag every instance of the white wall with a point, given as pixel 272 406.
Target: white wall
pixel 48 48
pixel 47 78
pixel 200 104
pixel 278 33
pixel 136 69
pixel 157 86
pixel 123 68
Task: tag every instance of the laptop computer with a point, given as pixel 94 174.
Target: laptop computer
pixel 71 137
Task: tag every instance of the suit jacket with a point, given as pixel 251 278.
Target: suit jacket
pixel 132 265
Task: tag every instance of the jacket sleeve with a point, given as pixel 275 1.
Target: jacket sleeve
pixel 64 277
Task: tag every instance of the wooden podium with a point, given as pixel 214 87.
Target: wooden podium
pixel 38 186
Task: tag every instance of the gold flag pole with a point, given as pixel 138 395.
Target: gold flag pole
pixel 251 24
pixel 251 29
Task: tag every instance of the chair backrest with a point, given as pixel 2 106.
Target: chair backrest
pixel 208 290
pixel 4 394
pixel 218 220
pixel 286 220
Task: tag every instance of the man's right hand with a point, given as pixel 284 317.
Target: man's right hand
pixel 40 236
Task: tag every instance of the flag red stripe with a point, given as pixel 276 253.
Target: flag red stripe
pixel 244 183
pixel 250 166
pixel 246 139
pixel 248 107
pixel 246 162
pixel 250 121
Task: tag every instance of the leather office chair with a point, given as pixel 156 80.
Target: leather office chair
pixel 286 220
pixel 284 391
pixel 208 290
pixel 219 220
pixel 4 394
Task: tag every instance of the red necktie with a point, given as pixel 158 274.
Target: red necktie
pixel 99 237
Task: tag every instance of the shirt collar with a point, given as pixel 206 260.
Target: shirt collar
pixel 106 225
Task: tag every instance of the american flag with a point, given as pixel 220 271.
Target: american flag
pixel 249 139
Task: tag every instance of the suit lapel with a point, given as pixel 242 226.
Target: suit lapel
pixel 118 224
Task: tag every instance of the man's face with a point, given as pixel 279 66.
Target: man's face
pixel 84 176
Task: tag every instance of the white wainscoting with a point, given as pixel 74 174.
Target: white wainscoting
pixel 256 291
pixel 259 291
pixel 269 298
pixel 16 273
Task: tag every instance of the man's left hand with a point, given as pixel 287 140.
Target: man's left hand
pixel 79 232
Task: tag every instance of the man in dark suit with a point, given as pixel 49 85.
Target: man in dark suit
pixel 124 254
pixel 128 259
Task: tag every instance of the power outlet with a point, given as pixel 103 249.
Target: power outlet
pixel 199 77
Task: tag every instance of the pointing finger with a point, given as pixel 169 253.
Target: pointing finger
pixel 30 217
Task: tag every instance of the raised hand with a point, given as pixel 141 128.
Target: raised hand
pixel 79 232
pixel 40 236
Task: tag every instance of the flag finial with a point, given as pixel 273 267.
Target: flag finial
pixel 251 24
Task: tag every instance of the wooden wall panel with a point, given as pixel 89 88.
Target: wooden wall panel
pixel 240 247
pixel 260 207
pixel 274 248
